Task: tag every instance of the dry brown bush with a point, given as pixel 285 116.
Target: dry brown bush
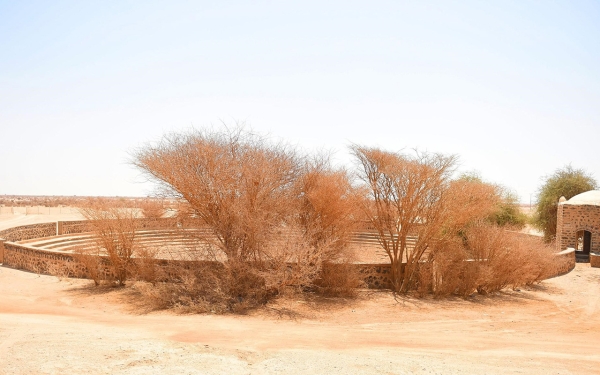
pixel 486 258
pixel 144 266
pixel 273 217
pixel 451 272
pixel 509 259
pixel 152 208
pixel 329 208
pixel 195 285
pixel 194 288
pixel 274 222
pixel 424 284
pixel 329 214
pixel 505 210
pixel 114 230
pixel 450 219
pixel 340 279
pixel 236 183
pixel 93 264
pixel 467 201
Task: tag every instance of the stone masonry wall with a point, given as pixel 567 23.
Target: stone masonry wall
pixel 559 228
pixel 73 227
pixel 565 264
pixel 27 232
pixel 574 218
pixel 376 276
pixel 42 262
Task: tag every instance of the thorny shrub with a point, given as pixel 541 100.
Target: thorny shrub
pixel 201 279
pixel 269 222
pixel 273 217
pixel 114 230
pixel 487 259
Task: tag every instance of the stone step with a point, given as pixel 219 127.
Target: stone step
pixel 582 257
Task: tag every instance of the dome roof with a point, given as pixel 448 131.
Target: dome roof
pixel 591 197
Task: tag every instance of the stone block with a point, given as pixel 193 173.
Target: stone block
pixel 2 240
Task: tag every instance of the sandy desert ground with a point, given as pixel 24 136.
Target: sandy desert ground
pixel 52 326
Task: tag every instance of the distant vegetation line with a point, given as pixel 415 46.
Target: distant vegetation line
pixel 73 201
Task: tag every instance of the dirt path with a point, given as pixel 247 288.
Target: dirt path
pixel 49 326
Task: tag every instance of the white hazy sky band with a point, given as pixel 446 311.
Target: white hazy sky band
pixel 511 87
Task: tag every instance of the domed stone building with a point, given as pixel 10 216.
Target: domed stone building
pixel 578 226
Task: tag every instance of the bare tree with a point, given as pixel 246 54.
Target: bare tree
pixel 407 199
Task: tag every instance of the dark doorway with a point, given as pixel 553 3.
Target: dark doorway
pixel 584 241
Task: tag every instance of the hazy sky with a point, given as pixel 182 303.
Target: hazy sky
pixel 513 88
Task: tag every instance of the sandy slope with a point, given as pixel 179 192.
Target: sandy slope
pixel 49 326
